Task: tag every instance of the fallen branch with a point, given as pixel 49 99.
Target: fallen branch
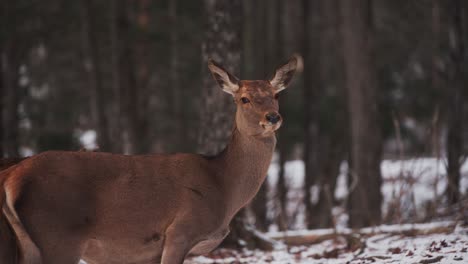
pixel 431 260
pixel 309 239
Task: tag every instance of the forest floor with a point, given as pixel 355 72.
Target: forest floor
pixel 439 242
pixel 412 191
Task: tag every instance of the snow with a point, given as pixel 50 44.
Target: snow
pixel 383 245
pixel 88 139
pixel 408 186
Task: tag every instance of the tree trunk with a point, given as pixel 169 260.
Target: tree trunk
pixel 282 190
pixel 133 75
pixel 332 153
pixel 330 144
pixel 365 198
pixel 2 98
pixel 98 105
pixel 270 45
pixel 2 92
pixel 455 99
pixel 127 77
pixel 223 44
pixel 178 122
pixel 10 57
pixel 115 122
pixel 311 129
pixel 11 101
pixel 140 92
pixel 259 207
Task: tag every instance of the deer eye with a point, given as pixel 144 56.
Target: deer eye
pixel 276 96
pixel 245 100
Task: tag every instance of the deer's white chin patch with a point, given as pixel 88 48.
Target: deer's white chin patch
pixel 269 127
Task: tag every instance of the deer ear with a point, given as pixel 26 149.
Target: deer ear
pixel 284 74
pixel 228 82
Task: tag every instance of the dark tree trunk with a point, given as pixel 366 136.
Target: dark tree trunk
pixel 11 101
pixel 115 122
pixel 271 46
pixel 332 153
pixel 282 190
pixel 457 12
pixel 10 54
pixel 178 122
pixel 223 44
pixel 330 146
pixel 259 207
pixel 134 74
pixel 98 103
pixel 3 84
pixel 127 78
pixel 311 129
pixel 364 201
pixel 2 98
pixel 140 93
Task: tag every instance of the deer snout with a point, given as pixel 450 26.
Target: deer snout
pixel 273 117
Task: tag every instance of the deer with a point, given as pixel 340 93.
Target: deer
pixel 59 207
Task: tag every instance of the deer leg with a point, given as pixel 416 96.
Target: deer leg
pixel 176 246
pixel 29 252
pixel 58 244
pixel 8 245
pixel 61 252
pixel 175 250
pixel 53 249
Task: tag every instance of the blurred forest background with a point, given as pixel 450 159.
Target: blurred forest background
pixel 382 80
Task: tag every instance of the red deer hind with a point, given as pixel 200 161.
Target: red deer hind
pixel 60 207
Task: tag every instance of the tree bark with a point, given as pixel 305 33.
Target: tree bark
pixel 271 47
pixel 139 94
pixel 331 116
pixel 3 54
pixel 115 122
pixel 282 190
pixel 98 105
pixel 11 100
pixel 365 198
pixel 455 99
pixel 178 122
pixel 2 98
pixel 311 128
pixel 223 44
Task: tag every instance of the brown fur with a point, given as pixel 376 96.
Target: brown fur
pixel 107 208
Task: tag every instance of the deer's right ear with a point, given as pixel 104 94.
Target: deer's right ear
pixel 284 74
pixel 228 82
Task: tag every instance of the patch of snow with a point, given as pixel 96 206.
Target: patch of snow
pixel 408 185
pixel 25 151
pixel 88 139
pixel 384 246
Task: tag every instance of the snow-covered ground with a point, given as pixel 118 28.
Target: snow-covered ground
pixel 383 244
pixel 409 187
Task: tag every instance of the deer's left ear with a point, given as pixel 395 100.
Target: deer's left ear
pixel 284 74
pixel 228 82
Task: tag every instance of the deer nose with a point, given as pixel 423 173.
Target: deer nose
pixel 273 117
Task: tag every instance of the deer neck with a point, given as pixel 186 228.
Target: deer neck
pixel 243 166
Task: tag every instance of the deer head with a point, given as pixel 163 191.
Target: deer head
pixel 257 101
